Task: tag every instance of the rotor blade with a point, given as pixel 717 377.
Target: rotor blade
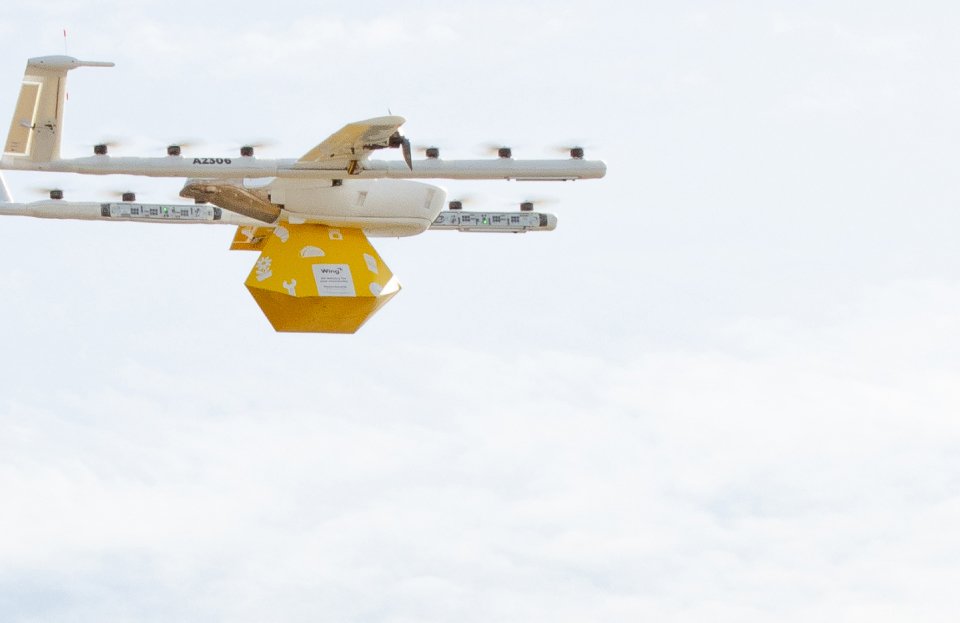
pixel 45 190
pixel 541 199
pixel 118 192
pixel 262 143
pixel 493 149
pixel 184 145
pixel 457 202
pixel 574 149
pixel 107 142
pixel 256 146
pixel 53 192
pixel 536 201
pixel 407 156
pixel 429 145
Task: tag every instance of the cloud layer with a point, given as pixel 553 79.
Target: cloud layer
pixel 724 388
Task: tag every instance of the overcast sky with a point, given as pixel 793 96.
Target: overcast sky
pixel 725 388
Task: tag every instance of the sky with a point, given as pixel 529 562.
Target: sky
pixel 725 388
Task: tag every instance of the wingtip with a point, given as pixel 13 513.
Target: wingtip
pixel 63 62
pixel 389 120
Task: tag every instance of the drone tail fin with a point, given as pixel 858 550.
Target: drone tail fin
pixel 38 118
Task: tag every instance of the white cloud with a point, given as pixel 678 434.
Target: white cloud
pixel 552 486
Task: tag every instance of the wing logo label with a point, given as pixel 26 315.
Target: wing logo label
pixel 334 280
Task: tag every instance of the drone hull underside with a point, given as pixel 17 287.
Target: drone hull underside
pixel 378 207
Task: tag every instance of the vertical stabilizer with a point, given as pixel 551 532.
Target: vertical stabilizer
pixel 38 118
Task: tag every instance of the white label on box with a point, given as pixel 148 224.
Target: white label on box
pixel 334 280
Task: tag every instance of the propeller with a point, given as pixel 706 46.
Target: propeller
pixel 250 148
pixel 496 149
pixel 174 148
pixel 124 195
pixel 407 155
pixel 430 150
pixel 574 149
pixel 529 203
pixel 461 200
pixel 499 150
pixel 54 192
pixel 399 140
pixel 102 147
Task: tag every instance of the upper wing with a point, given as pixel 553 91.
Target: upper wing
pixel 356 140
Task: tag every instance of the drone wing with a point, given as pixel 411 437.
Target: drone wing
pixel 354 141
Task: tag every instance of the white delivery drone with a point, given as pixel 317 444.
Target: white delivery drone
pixel 316 272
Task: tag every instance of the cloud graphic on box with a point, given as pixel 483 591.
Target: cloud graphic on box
pixel 311 251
